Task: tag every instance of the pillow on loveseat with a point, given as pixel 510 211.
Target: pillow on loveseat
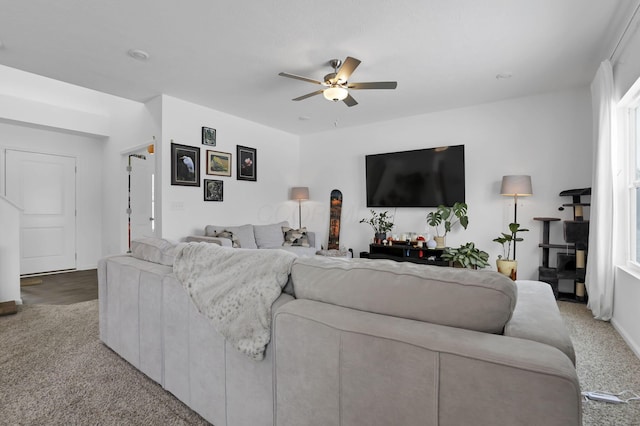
pixel 243 233
pixel 269 236
pixel 156 250
pixel 235 243
pixel 295 237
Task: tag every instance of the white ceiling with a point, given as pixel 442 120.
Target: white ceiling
pixel 227 54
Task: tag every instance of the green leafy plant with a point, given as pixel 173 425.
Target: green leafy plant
pixel 467 256
pixel 448 216
pixel 380 222
pixel 507 238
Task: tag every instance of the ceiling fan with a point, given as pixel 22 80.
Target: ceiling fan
pixel 336 83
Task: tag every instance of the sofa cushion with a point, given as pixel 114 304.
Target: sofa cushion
pixel 295 237
pixel 537 317
pixel 243 233
pixel 456 297
pixel 156 250
pixel 269 236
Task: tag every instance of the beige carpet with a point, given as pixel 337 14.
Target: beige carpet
pixel 54 370
pixel 604 363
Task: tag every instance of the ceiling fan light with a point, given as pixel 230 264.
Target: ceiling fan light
pixel 335 93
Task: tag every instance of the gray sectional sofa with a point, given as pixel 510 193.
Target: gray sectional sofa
pixel 357 342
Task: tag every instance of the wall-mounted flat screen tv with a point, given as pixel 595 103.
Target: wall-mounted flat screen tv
pixel 418 178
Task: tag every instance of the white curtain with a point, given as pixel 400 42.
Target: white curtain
pixel 600 265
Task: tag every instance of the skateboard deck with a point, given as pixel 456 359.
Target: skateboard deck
pixel 335 210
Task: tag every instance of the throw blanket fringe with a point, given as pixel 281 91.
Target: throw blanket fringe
pixel 235 289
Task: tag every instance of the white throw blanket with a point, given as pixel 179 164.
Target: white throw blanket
pixel 235 289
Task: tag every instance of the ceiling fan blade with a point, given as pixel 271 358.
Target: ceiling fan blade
pixel 308 95
pixel 297 77
pixel 350 101
pixel 374 85
pixel 348 67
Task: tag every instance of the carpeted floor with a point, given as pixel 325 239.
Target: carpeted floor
pixel 604 362
pixel 54 370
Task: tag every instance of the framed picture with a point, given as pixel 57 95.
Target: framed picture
pixel 213 190
pixel 208 136
pixel 185 165
pixel 247 163
pixel 218 163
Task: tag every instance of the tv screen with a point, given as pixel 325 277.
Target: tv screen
pixel 419 178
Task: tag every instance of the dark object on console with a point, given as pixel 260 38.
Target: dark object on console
pixel 407 253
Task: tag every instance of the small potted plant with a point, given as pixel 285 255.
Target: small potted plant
pixel 507 265
pixel 381 224
pixel 447 217
pixel 466 256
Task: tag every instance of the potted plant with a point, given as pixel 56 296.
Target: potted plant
pixel 466 256
pixel 381 224
pixel 507 265
pixel 447 217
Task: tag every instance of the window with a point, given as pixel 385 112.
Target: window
pixel 633 181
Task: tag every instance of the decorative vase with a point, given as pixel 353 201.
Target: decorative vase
pixel 431 244
pixel 380 236
pixel 439 242
pixel 507 267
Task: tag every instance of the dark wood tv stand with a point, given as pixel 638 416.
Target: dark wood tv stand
pixel 407 253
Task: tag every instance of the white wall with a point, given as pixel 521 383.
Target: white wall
pixel 546 136
pixel 88 154
pixel 38 113
pixel 132 125
pixel 45 115
pixel 625 307
pixel 265 201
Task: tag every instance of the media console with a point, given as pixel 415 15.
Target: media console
pixel 407 253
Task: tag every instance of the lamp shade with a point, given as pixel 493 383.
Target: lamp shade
pixel 516 185
pixel 300 193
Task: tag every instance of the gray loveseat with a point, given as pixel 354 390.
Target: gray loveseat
pixel 270 236
pixel 364 342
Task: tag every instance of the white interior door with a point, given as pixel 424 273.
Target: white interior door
pixel 141 195
pixel 45 187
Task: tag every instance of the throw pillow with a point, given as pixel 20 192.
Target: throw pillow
pixel 269 236
pixel 295 237
pixel 244 234
pixel 235 242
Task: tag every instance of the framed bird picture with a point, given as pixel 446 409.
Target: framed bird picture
pixel 247 163
pixel 185 165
